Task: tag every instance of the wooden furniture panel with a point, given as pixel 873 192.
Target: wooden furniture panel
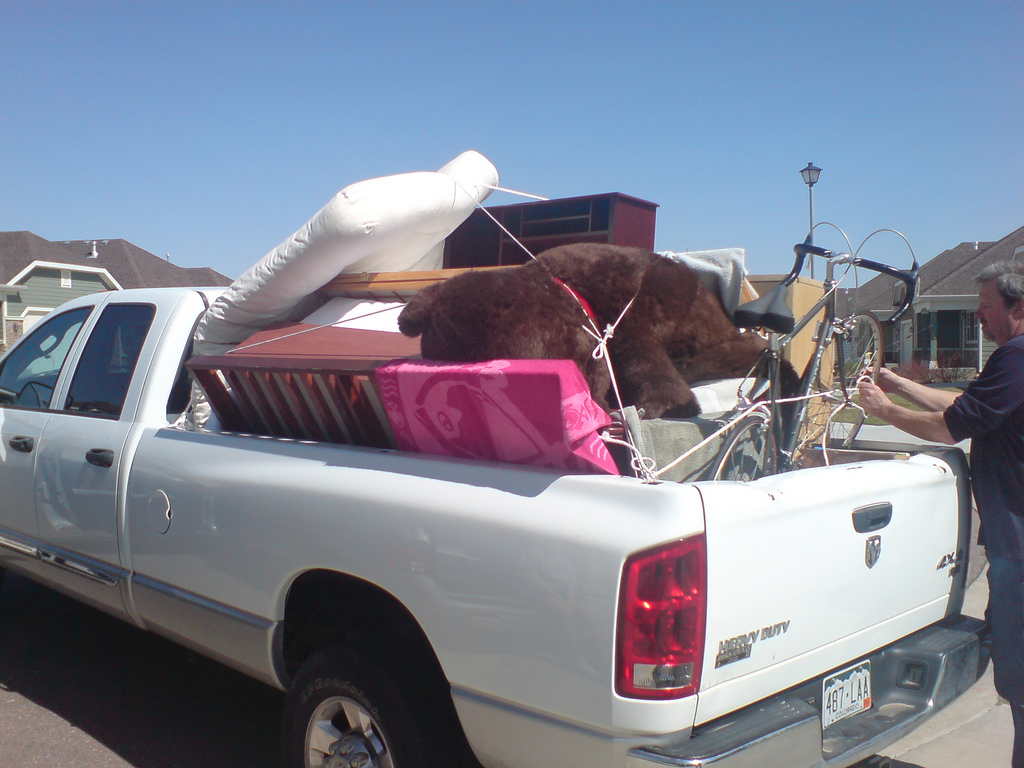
pixel 608 218
pixel 304 382
pixel 388 286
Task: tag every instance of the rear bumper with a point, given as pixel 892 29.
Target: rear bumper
pixel 911 681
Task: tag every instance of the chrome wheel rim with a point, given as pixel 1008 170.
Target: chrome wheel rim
pixel 343 734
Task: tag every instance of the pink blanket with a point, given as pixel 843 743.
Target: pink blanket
pixel 535 412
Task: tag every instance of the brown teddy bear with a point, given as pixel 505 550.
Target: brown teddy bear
pixel 674 331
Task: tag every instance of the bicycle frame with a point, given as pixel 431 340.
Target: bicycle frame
pixel 784 428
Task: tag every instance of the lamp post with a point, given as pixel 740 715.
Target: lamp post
pixel 810 176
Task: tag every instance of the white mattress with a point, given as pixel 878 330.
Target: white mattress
pixel 387 224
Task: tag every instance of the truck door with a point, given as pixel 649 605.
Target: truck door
pixel 28 378
pixel 80 472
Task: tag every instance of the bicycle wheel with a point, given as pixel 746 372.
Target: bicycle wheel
pixel 856 352
pixel 861 340
pixel 744 454
pixel 861 357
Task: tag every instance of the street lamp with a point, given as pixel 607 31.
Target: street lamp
pixel 810 176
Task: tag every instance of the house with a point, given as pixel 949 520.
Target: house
pixel 37 275
pixel 941 330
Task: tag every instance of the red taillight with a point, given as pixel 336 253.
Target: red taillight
pixel 662 609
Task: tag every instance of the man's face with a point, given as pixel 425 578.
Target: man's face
pixel 999 323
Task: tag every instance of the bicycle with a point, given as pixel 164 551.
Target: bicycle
pixel 769 433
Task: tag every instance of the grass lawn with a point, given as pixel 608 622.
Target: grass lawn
pixel 847 417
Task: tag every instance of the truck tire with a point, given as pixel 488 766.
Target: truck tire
pixel 343 710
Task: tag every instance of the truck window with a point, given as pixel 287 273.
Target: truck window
pixel 29 374
pixel 181 390
pixel 108 361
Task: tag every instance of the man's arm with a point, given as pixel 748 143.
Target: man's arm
pixel 928 398
pixel 927 425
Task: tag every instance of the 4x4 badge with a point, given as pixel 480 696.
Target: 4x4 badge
pixel 872 551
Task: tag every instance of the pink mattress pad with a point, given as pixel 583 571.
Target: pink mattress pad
pixel 536 412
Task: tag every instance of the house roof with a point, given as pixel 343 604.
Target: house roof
pixel 961 280
pixel 130 266
pixel 951 273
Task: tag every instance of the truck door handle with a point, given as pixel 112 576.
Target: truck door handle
pixel 22 444
pixel 100 457
pixel 872 517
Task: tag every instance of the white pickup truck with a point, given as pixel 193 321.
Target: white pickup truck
pixel 424 610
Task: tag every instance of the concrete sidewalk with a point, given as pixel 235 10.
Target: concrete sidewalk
pixel 975 731
pixel 889 434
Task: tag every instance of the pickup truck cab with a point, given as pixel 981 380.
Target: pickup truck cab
pixel 427 610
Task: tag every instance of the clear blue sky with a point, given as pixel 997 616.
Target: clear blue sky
pixel 211 131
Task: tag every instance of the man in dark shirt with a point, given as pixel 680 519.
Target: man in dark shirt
pixel 991 413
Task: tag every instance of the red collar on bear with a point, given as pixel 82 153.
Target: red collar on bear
pixel 582 301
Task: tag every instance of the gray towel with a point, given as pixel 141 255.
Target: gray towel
pixel 722 270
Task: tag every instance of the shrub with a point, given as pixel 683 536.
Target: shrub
pixel 951 368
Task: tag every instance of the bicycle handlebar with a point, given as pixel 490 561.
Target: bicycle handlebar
pixel 803 250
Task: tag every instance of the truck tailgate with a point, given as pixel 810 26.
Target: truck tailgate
pixel 810 570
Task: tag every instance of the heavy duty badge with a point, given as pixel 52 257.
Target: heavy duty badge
pixel 740 647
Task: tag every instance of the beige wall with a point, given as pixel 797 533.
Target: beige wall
pixel 800 298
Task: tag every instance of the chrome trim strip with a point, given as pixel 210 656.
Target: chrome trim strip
pixel 20 547
pixel 235 614
pixel 81 569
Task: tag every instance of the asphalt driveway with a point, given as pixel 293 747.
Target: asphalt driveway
pixel 80 688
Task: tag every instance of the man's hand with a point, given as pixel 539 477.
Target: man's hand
pixel 889 381
pixel 927 425
pixel 872 398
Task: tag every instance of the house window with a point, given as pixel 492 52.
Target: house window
pixel 1018 253
pixel 65 278
pixel 969 328
pixel 923 342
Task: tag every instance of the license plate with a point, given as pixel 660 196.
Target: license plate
pixel 846 693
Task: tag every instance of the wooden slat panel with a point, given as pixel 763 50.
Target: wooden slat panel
pixel 328 397
pixel 304 381
pixel 317 411
pixel 231 415
pixel 302 420
pixel 373 421
pixel 348 396
pixel 261 380
pixel 248 400
pixel 390 285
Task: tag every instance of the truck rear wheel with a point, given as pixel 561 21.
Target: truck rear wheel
pixel 345 711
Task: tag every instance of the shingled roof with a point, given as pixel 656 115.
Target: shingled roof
pixel 951 273
pixel 130 265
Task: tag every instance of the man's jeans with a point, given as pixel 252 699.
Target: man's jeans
pixel 1006 615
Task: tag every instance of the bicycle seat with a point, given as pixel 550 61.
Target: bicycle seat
pixel 769 311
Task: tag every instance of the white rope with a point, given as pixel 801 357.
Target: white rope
pixel 514 192
pixel 491 216
pixel 601 348
pixel 643 466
